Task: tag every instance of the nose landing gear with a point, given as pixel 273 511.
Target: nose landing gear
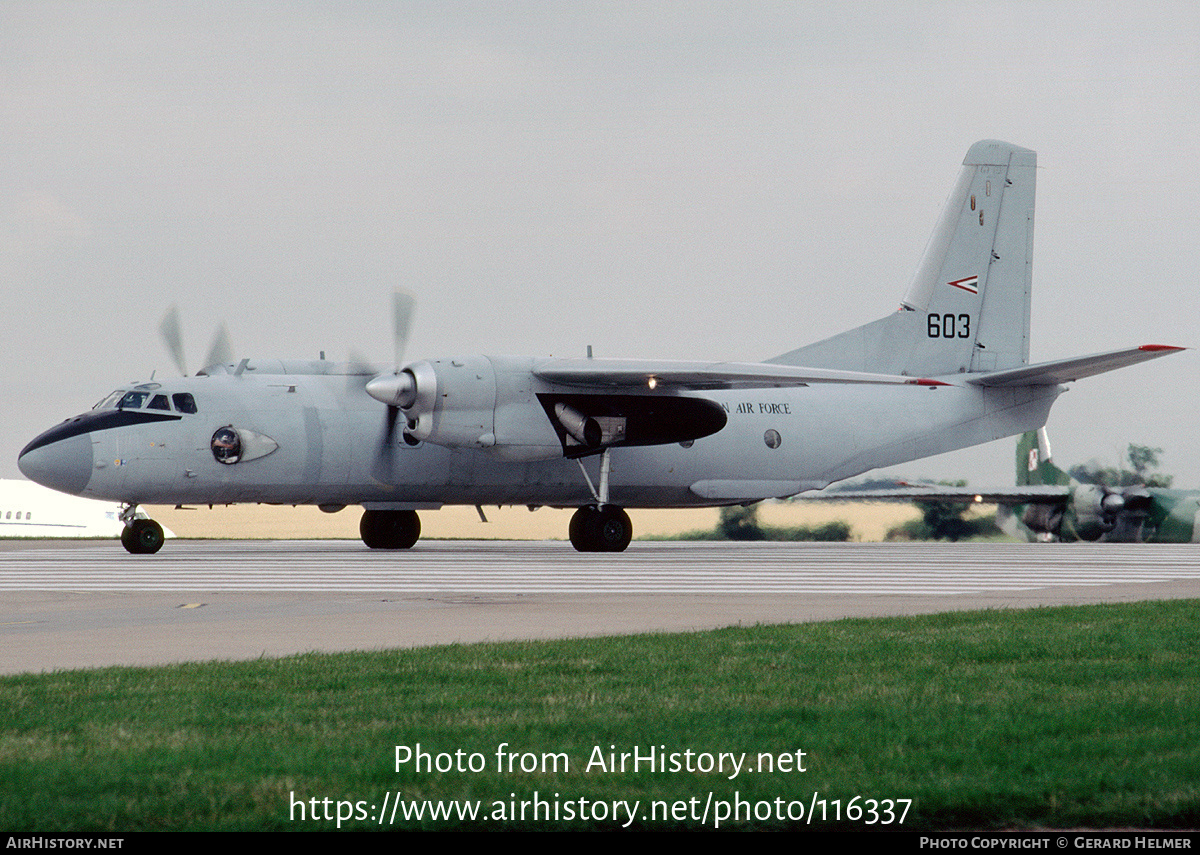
pixel 141 536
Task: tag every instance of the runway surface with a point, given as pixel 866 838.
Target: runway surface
pixel 88 604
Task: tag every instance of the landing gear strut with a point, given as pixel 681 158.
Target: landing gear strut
pixel 389 529
pixel 142 537
pixel 600 527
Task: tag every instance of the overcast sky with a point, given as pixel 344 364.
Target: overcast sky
pixel 676 180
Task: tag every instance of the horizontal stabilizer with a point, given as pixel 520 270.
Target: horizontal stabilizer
pixel 1076 368
pixel 941 493
pixel 658 374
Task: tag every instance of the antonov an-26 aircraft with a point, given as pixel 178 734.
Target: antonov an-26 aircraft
pixel 948 370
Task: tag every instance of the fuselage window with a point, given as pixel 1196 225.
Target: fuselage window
pixel 184 402
pixel 159 402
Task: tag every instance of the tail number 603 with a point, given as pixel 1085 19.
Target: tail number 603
pixel 949 326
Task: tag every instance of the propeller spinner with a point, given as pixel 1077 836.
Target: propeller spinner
pixel 397 389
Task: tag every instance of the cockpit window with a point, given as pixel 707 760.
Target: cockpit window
pixel 133 401
pixel 137 399
pixel 111 401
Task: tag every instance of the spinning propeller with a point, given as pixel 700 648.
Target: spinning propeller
pixel 381 386
pixel 1098 510
pixel 220 351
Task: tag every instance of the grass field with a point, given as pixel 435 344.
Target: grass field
pixel 1065 717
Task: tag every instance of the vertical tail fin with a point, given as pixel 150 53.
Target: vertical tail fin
pixel 1034 465
pixel 967 308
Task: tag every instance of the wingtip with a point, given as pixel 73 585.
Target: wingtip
pixel 1160 347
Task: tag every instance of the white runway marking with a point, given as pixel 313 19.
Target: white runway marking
pixel 488 567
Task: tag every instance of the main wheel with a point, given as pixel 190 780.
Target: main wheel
pixel 390 529
pixel 614 529
pixel 142 537
pixel 582 529
pixel 604 529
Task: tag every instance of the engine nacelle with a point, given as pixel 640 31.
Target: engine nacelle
pixel 1092 511
pixel 451 402
pixel 1044 519
pixel 498 404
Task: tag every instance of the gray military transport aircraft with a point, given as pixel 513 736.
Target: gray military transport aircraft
pixel 949 369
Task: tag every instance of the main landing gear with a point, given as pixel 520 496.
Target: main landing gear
pixel 601 527
pixel 389 529
pixel 141 536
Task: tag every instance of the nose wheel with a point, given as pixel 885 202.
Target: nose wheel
pixel 600 528
pixel 142 537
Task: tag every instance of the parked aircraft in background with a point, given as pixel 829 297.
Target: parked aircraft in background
pixel 948 370
pixel 31 510
pixel 1048 505
pixel 1131 514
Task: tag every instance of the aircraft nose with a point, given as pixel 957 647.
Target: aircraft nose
pixel 63 464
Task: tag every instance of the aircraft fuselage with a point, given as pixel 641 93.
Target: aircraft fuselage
pixel 323 441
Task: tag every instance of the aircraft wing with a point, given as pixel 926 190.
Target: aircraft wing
pixel 657 374
pixel 1029 494
pixel 1076 368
